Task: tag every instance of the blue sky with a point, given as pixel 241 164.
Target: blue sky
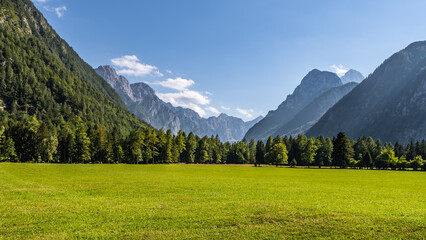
pixel 240 57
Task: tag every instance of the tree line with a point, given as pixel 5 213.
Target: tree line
pixel 31 140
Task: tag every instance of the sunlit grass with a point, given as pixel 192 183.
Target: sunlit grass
pixel 204 201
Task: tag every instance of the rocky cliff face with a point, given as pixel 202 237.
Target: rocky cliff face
pixel 141 99
pixel 119 83
pixel 313 84
pixel 389 104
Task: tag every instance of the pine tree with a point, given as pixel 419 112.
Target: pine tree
pixel 325 149
pixel 360 149
pixel 367 160
pixel 82 143
pixel 260 153
pixel 180 143
pixel 191 146
pixel 300 143
pixel 135 144
pixel 150 150
pixel 66 144
pixel 399 149
pixel 252 151
pixel 269 144
pixel 342 150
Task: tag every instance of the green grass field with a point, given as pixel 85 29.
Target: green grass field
pixel 204 201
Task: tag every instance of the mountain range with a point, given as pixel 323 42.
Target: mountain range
pixel 43 78
pixel 141 99
pixel 317 92
pixel 390 104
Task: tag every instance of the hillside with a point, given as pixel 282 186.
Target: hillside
pixel 390 104
pixel 41 75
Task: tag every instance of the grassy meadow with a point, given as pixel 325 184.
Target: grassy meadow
pixel 49 201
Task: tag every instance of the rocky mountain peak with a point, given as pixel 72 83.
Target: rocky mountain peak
pixel 313 84
pixel 320 79
pixel 117 82
pixel 141 90
pixel 352 76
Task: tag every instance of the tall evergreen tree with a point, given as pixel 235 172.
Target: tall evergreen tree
pixel 323 157
pixel 180 143
pixel 191 146
pixel 260 153
pixel 342 150
pixel 82 143
pixel 252 151
pixel 399 150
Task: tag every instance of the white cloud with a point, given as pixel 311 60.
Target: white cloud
pixel 178 83
pixel 212 110
pixel 131 66
pixel 225 108
pixel 208 93
pixel 60 11
pixel 169 71
pixel 340 70
pixel 246 112
pixel 197 109
pixel 188 99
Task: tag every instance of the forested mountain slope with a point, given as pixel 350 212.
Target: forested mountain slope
pixel 41 75
pixel 390 104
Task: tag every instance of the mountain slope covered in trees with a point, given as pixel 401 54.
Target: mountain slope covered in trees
pixel 53 105
pixel 141 99
pixel 41 75
pixel 390 104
